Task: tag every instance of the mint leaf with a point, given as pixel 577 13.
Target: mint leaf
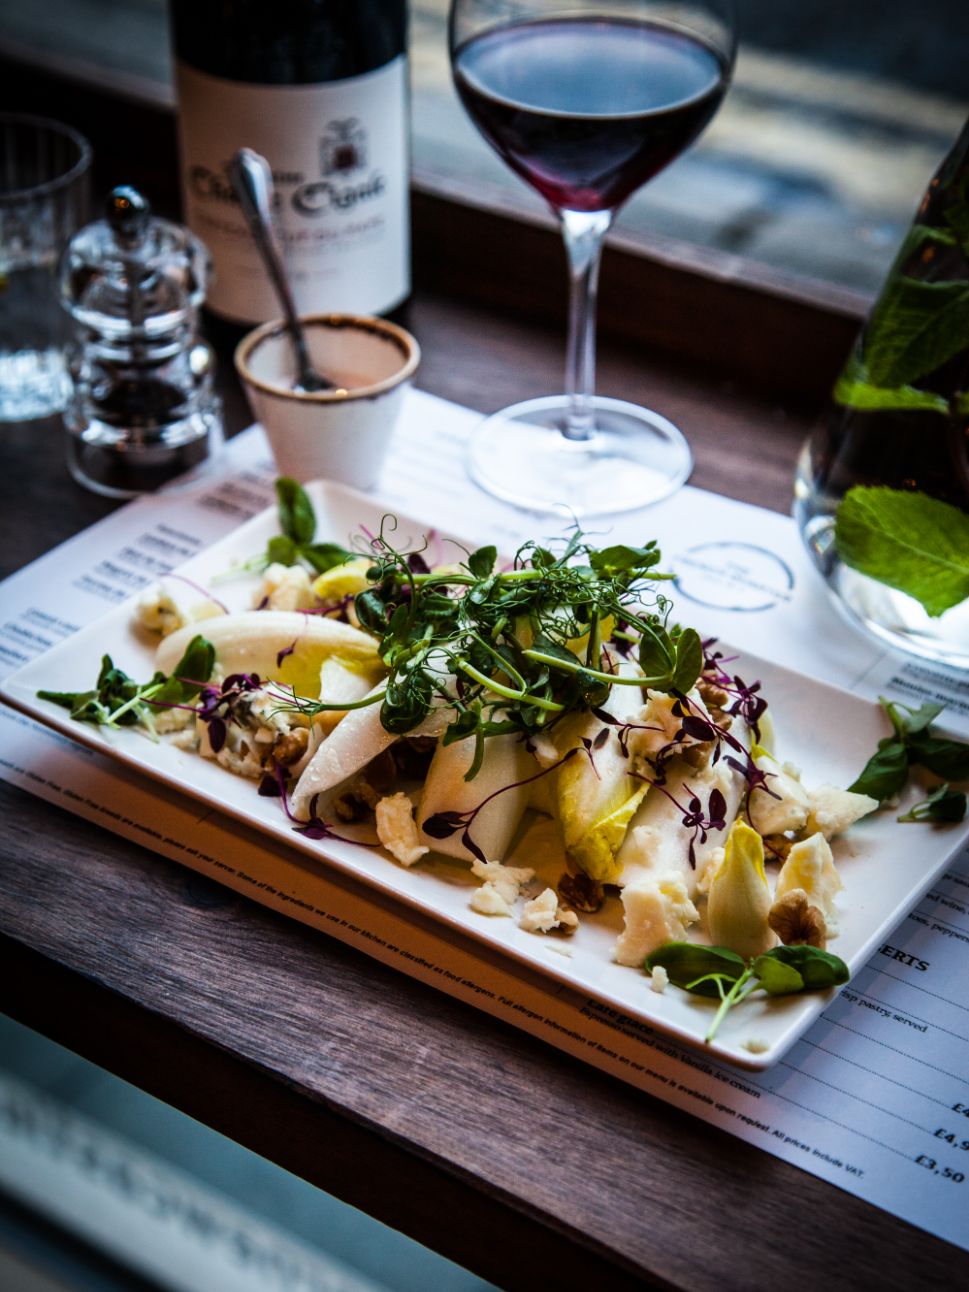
pixel 916 328
pixel 908 541
pixel 854 389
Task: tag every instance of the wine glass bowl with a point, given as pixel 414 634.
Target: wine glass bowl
pixel 586 102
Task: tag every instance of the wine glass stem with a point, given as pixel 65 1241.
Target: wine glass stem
pixel 583 232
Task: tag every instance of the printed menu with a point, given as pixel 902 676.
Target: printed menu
pixel 874 1098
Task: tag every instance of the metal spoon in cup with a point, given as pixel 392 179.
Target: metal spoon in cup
pixel 253 182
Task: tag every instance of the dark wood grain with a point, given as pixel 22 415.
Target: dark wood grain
pixel 524 1164
pixel 745 446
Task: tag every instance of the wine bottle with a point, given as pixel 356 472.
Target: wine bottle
pixel 319 88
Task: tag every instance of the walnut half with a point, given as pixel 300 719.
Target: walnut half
pixel 796 921
pixel 579 892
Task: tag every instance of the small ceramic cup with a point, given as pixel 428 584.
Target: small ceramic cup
pixel 339 434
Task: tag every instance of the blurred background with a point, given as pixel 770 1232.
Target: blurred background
pixel 838 115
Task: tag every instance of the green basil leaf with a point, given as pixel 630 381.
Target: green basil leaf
pixel 189 675
pixel 909 541
pixel 77 701
pixel 324 556
pixel 776 977
pixel 281 550
pixel 819 969
pixel 885 773
pixel 908 721
pixel 942 807
pixel 689 966
pixel 297 519
pixel 947 758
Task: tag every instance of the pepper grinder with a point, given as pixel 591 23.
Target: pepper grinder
pixel 143 409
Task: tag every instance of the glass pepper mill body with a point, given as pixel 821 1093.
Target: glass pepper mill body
pixel 882 489
pixel 143 408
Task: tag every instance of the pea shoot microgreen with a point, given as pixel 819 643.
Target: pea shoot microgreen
pixel 510 649
pixel 721 974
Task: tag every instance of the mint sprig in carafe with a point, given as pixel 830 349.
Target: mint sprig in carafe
pixel 882 491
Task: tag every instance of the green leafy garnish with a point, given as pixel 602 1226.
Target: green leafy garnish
pixel 855 389
pixel 917 327
pixel 117 700
pixel 943 806
pixel 913 744
pixel 909 541
pixel 510 650
pixel 718 972
pixel 297 520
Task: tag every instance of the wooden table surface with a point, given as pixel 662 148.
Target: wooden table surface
pixel 501 1153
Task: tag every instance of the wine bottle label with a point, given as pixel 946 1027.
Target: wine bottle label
pixel 338 153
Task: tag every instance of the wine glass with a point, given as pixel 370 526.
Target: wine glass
pixel 586 101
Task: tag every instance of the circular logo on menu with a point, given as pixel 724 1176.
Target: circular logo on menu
pixel 733 576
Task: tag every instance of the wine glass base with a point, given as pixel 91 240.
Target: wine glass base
pixel 633 457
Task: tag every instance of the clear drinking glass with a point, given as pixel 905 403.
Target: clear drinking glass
pixel 43 199
pixel 586 102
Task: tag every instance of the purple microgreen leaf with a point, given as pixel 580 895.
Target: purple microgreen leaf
pixel 472 847
pixel 439 827
pixel 284 654
pixel 217 734
pixel 697 728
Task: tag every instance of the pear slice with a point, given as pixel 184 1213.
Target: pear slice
pixel 594 795
pixel 354 743
pixel 284 645
pixel 506 763
pixel 657 843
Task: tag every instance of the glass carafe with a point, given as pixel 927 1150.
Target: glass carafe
pixel 882 491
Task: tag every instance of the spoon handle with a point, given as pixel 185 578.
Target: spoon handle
pixel 253 183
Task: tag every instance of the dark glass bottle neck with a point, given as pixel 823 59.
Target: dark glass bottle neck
pixel 288 42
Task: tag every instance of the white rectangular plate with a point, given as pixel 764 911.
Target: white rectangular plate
pixel 828 733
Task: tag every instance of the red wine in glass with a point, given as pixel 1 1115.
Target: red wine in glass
pixel 586 100
pixel 586 110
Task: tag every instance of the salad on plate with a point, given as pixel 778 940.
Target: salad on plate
pixel 431 700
